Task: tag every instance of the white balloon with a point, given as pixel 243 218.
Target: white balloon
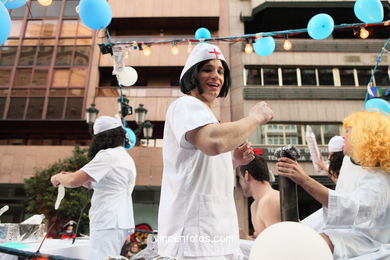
pixel 127 77
pixel 290 240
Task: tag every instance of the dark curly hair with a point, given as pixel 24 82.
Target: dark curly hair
pixel 190 79
pixel 108 139
pixel 336 160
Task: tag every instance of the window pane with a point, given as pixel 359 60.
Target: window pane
pixel 317 132
pixel 36 9
pixel 55 108
pixel 18 12
pixel 27 55
pixel 23 77
pixel 45 53
pixel 253 77
pixel 49 28
pixel 16 108
pixel 347 77
pixel 8 55
pixel 70 8
pixel 54 10
pixel 74 108
pixel 60 78
pixel 33 29
pixel 293 134
pixel 270 76
pixel 64 55
pixel 83 31
pixel 16 28
pixel 35 108
pixel 330 131
pixel 69 28
pixel 308 77
pixel 40 78
pixel 78 77
pixel 382 77
pixel 364 76
pixel 5 75
pixel 325 77
pixel 289 77
pixel 82 55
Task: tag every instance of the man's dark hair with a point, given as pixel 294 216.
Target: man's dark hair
pixel 190 80
pixel 257 168
pixel 336 160
pixel 108 139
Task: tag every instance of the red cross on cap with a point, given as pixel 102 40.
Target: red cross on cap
pixel 216 53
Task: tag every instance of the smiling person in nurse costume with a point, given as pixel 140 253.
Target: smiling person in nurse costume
pixel 197 214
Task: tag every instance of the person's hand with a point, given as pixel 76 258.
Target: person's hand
pixel 262 112
pixel 243 155
pixel 55 179
pixel 291 169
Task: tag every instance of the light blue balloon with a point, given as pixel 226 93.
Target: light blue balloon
pixel 369 11
pixel 320 26
pixel 12 4
pixel 377 104
pixel 95 14
pixel 132 138
pixel 5 23
pixel 264 46
pixel 202 33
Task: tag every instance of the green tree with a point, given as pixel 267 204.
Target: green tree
pixel 42 195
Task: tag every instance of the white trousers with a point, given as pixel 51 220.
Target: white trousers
pixel 106 242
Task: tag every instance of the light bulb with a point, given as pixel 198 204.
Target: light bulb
pixel 147 51
pixel 45 2
pixel 287 45
pixel 364 33
pixel 248 48
pixel 174 50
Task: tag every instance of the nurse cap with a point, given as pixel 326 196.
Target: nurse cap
pixel 104 123
pixel 336 144
pixel 202 52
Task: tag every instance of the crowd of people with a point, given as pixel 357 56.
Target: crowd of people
pixel 200 155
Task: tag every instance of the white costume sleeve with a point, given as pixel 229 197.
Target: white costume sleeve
pixel 99 166
pixel 188 114
pixel 361 207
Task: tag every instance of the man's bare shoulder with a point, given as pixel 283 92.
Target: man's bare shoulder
pixel 270 197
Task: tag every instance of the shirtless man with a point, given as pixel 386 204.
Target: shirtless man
pixel 255 183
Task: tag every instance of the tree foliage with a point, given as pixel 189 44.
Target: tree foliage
pixel 42 195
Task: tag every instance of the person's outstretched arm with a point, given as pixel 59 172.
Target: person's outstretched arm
pixel 71 179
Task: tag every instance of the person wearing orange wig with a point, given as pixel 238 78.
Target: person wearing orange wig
pixel 357 223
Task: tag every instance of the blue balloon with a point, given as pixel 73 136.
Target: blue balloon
pixel 95 14
pixel 320 26
pixel 202 33
pixel 264 46
pixel 5 23
pixel 132 138
pixel 377 104
pixel 369 11
pixel 12 4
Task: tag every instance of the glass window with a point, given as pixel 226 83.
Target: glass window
pixel 16 28
pixel 325 76
pixel 253 77
pixel 73 108
pixel 16 108
pixel 78 77
pixel 40 78
pixel 69 28
pixel 70 8
pixel 54 10
pixel 364 76
pixel 35 108
pixel 36 9
pixel 55 108
pixel 5 75
pixel 330 131
pixel 33 29
pixel 347 77
pixel 289 77
pixel 49 28
pixel 82 55
pixel 382 77
pixel 45 54
pixel 270 76
pixel 8 55
pixel 317 132
pixel 23 77
pixel 83 31
pixel 64 55
pixel 27 55
pixel 18 13
pixel 60 78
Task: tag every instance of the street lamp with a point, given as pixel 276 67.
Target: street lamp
pixel 90 116
pixel 148 130
pixel 140 114
pixel 145 125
